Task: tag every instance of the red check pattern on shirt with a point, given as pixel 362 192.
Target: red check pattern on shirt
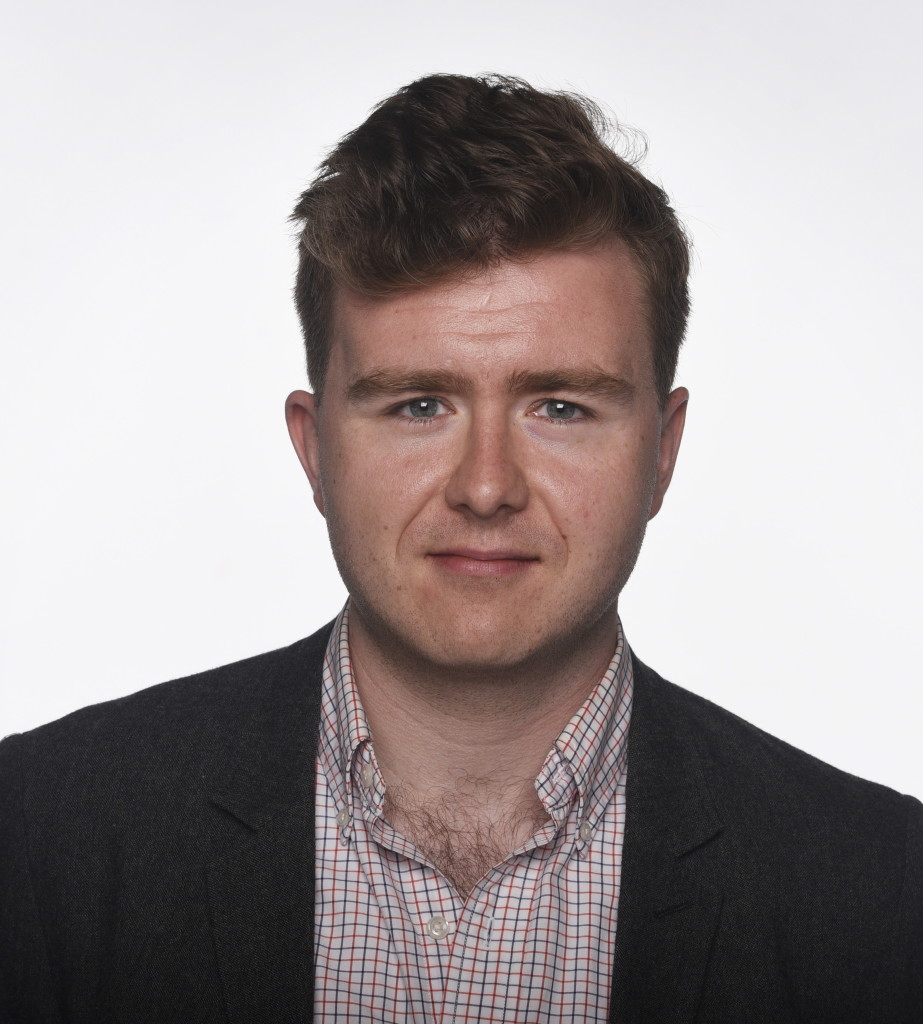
pixel 535 940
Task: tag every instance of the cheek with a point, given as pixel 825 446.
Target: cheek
pixel 600 503
pixel 368 493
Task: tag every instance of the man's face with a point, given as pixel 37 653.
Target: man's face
pixel 487 454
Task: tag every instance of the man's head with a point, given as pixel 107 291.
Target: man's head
pixel 452 175
pixel 481 280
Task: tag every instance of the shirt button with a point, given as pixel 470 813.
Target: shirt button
pixel 368 776
pixel 343 818
pixel 586 832
pixel 438 927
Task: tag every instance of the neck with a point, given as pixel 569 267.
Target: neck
pixel 460 749
pixel 436 728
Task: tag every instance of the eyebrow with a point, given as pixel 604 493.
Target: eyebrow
pixel 591 382
pixel 381 383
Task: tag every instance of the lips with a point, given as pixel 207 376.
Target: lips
pixel 483 562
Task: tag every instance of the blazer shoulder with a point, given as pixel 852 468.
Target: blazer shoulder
pixel 819 868
pixel 171 721
pixel 754 762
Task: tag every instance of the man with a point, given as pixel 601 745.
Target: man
pixel 466 799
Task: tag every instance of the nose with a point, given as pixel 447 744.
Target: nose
pixel 488 477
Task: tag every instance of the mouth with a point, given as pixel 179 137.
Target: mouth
pixel 483 562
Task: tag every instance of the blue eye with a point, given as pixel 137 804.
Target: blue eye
pixel 558 410
pixel 423 408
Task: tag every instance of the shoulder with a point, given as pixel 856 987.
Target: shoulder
pixel 784 821
pixel 166 730
pixel 692 728
pixel 820 868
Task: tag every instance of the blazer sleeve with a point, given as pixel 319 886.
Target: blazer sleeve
pixel 899 994
pixel 27 988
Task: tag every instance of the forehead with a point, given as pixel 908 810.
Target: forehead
pixel 555 308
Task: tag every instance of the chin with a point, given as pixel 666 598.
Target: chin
pixel 475 658
pixel 481 646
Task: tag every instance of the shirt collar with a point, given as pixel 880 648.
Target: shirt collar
pixel 344 725
pixel 586 762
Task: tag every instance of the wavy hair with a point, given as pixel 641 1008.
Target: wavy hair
pixel 453 174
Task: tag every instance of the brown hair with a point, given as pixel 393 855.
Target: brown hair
pixel 453 174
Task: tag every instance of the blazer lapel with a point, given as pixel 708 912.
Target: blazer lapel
pixel 667 917
pixel 261 863
pixel 262 903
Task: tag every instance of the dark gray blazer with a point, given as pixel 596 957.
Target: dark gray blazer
pixel 156 864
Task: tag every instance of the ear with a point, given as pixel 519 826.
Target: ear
pixel 301 415
pixel 672 421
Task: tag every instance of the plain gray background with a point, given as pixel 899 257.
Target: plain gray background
pixel 154 519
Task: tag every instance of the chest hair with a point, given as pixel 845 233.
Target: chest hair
pixel 462 834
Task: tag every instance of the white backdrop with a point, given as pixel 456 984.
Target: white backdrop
pixel 154 519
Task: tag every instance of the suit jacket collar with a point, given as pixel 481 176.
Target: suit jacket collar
pixel 261 868
pixel 668 915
